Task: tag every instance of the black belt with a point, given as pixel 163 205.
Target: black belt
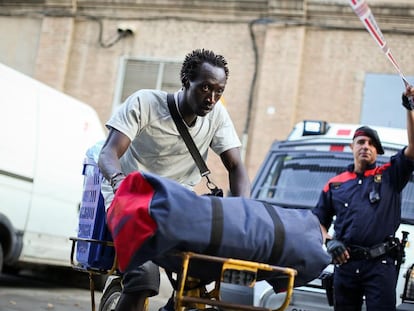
pixel 360 252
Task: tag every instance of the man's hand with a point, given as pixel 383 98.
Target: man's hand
pixel 116 180
pixel 408 98
pixel 338 251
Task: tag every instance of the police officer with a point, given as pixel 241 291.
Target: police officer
pixel 366 200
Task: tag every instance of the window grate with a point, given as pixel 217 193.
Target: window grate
pixel 148 74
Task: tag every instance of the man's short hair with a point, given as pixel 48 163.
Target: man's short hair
pixel 193 61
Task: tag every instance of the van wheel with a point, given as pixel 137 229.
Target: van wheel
pixel 111 296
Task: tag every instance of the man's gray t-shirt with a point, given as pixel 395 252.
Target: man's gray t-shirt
pixel 157 146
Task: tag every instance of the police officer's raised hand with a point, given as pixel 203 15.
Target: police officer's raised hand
pixel 407 98
pixel 338 251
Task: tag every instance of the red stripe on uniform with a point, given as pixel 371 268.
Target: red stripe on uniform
pixel 345 176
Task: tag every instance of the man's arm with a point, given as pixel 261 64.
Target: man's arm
pixel 409 151
pixel 325 234
pixel 114 147
pixel 238 179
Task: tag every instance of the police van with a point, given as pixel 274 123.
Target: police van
pixel 293 174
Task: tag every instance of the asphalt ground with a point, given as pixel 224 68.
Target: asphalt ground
pixel 58 291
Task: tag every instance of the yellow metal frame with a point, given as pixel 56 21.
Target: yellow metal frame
pixel 198 297
pixel 94 271
pixel 90 271
pixel 189 299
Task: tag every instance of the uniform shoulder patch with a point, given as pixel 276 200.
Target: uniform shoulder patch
pixel 335 185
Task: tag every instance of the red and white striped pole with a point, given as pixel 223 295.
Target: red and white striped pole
pixel 364 13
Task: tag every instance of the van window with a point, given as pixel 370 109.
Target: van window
pixel 295 179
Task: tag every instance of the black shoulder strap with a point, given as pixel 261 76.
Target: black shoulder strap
pixel 279 232
pixel 217 220
pixel 204 171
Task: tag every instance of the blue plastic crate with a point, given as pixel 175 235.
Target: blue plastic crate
pixel 92 223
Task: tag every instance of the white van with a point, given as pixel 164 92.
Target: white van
pixel 43 139
pixel 293 175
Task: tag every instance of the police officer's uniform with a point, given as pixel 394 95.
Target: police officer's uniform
pixel 368 211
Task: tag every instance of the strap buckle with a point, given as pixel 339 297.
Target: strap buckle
pixel 215 191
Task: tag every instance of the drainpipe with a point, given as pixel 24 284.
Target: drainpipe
pixel 245 135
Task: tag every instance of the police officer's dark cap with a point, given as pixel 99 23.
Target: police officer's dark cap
pixel 367 131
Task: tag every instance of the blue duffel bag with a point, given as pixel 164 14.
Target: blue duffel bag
pixel 152 217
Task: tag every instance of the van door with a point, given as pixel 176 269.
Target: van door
pixel 17 146
pixel 66 128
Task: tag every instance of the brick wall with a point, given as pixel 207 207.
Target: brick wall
pixel 312 58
